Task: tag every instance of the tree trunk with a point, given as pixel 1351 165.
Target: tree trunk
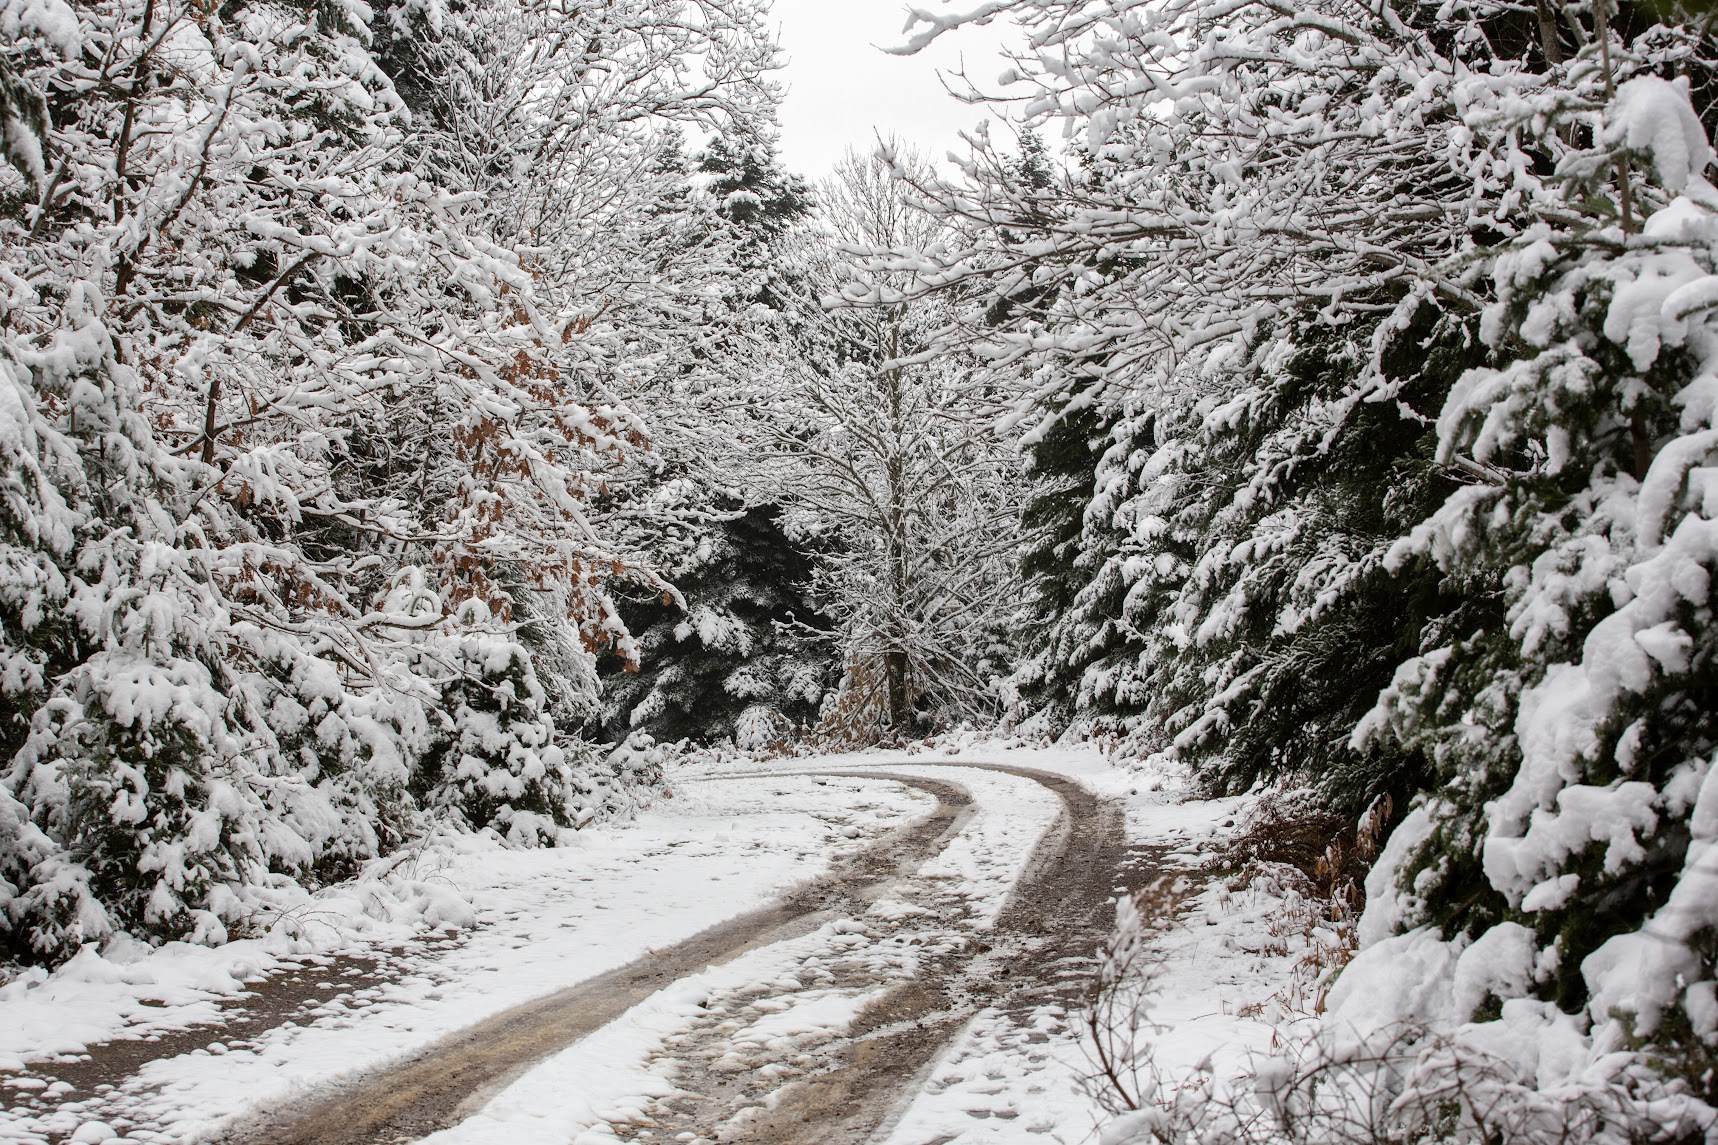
pixel 900 698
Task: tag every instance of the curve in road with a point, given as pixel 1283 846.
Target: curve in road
pixel 1053 920
pixel 444 1083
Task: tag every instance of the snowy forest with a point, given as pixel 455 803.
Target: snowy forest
pixel 443 415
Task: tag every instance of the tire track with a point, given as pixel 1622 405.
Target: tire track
pixel 1039 952
pixel 441 1085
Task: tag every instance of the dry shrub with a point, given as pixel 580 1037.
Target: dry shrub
pixel 1118 1025
pixel 1404 1086
pixel 1315 863
pixel 1312 862
pixel 858 714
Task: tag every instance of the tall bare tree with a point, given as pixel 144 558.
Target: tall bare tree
pixel 899 457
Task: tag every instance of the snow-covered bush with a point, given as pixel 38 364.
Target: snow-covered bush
pixel 494 761
pixel 1412 1084
pixel 132 771
pixel 303 410
pixel 1407 1044
pixel 624 777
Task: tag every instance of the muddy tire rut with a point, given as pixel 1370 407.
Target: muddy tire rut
pixel 924 976
pixel 445 1083
pixel 1039 953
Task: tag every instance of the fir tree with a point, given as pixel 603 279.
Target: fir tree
pixel 737 634
pixel 1573 738
pixel 748 643
pixel 1058 552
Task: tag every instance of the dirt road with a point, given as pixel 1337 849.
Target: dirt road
pixel 1038 952
pixel 844 1089
pixel 450 1080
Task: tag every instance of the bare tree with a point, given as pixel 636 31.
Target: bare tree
pixel 894 447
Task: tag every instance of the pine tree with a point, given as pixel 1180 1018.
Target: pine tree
pixel 748 650
pixel 1574 737
pixel 495 762
pixel 737 634
pixel 1058 556
pixel 1428 414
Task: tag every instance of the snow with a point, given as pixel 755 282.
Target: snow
pixel 93 1133
pixel 1654 115
pixel 607 1079
pixel 618 1072
pixel 1643 973
pixel 549 918
pixel 546 919
pixel 53 20
pixel 1009 1079
pixel 1004 1080
pixel 248 649
pixel 1233 979
pixel 1227 978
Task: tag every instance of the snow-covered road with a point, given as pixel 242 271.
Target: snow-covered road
pixel 844 949
pixel 545 920
pixel 869 949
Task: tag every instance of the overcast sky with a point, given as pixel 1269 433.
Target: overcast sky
pixel 842 88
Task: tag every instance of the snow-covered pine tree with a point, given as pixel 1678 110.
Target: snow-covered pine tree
pixel 494 761
pixel 747 658
pixel 1325 211
pixel 1267 619
pixel 1573 822
pixel 1059 559
pixel 1209 288
pixel 1064 551
pixel 763 206
pixel 738 636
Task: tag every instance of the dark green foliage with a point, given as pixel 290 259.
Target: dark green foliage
pixel 133 759
pixel 748 638
pixel 752 192
pixel 1558 528
pixel 1215 580
pixel 760 203
pixel 1325 620
pixel 422 56
pixel 1063 559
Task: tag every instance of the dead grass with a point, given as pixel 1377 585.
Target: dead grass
pixel 1316 864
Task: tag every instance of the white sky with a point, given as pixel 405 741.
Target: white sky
pixel 842 88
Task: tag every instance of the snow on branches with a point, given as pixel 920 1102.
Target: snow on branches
pixel 1361 354
pixel 310 382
